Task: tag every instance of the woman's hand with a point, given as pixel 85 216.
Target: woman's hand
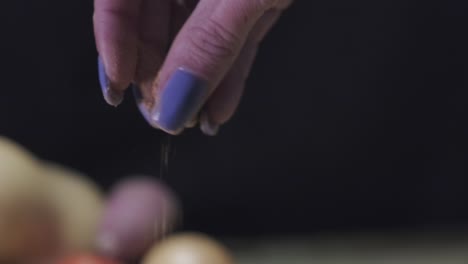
pixel 186 60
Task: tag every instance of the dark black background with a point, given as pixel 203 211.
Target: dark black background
pixel 354 117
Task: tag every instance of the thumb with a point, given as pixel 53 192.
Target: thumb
pixel 201 55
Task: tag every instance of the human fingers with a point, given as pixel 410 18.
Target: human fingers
pixel 116 33
pixel 201 55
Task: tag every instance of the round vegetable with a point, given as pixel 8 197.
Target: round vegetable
pixel 190 248
pixel 139 211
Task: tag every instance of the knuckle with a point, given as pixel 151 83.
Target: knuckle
pixel 213 42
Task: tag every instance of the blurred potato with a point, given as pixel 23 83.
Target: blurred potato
pixel 188 248
pixel 20 174
pixel 85 259
pixel 79 203
pixel 28 223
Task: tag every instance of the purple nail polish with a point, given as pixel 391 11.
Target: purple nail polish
pixel 180 101
pixel 111 96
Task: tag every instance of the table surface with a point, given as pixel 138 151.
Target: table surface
pixel 354 249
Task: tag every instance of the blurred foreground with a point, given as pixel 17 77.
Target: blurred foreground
pixel 423 248
pixel 52 214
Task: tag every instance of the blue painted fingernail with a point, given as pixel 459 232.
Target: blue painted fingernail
pixel 180 101
pixel 111 96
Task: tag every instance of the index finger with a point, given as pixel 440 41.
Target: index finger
pixel 115 29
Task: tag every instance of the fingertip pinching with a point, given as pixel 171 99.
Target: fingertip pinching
pixel 146 111
pixel 180 101
pixel 112 96
pixel 141 104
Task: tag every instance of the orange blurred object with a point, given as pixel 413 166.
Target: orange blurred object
pixel 32 234
pixel 86 259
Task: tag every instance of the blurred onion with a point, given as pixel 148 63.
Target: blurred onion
pixel 139 211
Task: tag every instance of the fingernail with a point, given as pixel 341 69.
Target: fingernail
pixel 144 110
pixel 111 96
pixel 180 101
pixel 140 104
pixel 207 127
